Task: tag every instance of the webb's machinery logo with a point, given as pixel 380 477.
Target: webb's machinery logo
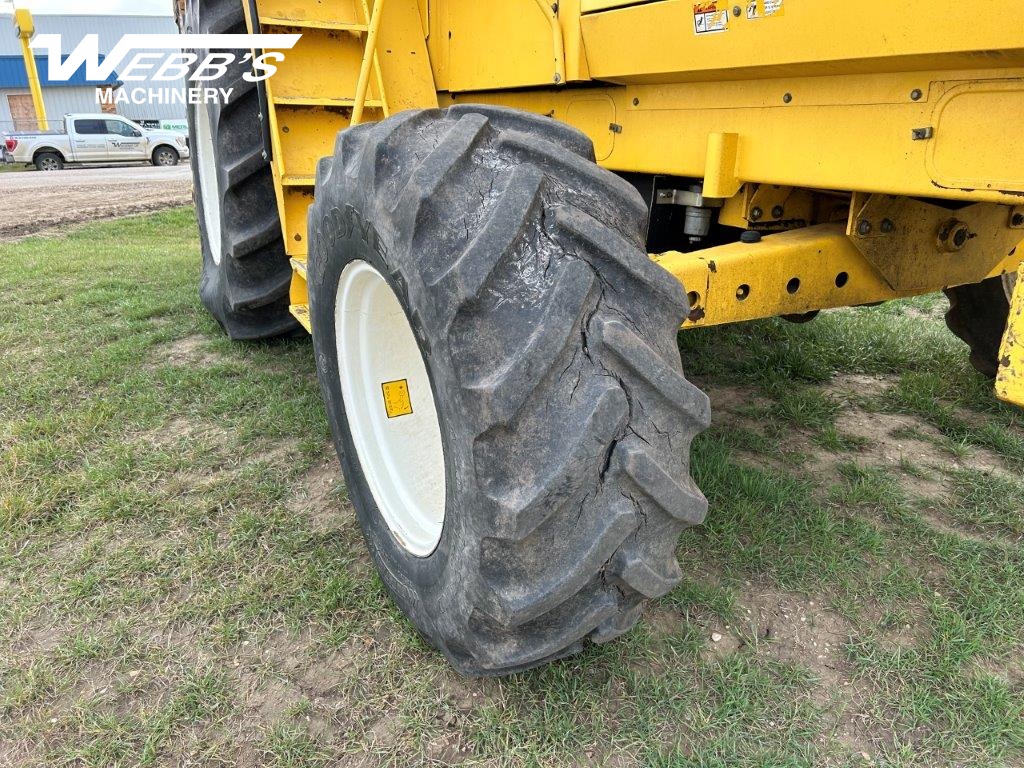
pixel 166 67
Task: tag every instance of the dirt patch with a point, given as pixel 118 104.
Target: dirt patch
pixel 192 350
pixel 52 202
pixel 848 386
pixel 1008 671
pixel 803 631
pixel 892 439
pixel 279 453
pixel 274 701
pixel 730 399
pixel 287 678
pixel 21 752
pixel 886 440
pixel 40 638
pixel 910 449
pixel 798 630
pixel 181 430
pixel 945 524
pixel 320 496
pixel 936 312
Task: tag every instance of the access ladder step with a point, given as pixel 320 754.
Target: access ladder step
pixel 300 311
pixel 334 26
pixel 322 101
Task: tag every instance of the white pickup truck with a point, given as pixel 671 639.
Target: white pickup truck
pixel 95 139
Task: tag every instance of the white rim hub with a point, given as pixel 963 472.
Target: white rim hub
pixel 206 162
pixel 390 408
pixel 1009 283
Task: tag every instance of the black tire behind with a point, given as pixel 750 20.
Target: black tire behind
pixel 978 314
pixel 248 291
pixel 43 156
pixel 550 340
pixel 161 150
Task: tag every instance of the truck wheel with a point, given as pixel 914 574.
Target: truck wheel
pixel 246 273
pixel 978 314
pixel 498 358
pixel 166 156
pixel 49 161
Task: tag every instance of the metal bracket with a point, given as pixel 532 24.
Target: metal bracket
pixel 917 245
pixel 261 93
pixel 686 197
pixel 769 207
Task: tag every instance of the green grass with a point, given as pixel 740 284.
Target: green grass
pixel 182 579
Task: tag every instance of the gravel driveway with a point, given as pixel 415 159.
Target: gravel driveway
pixel 39 202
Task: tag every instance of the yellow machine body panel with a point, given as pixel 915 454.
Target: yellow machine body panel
pixel 871 127
pixel 671 41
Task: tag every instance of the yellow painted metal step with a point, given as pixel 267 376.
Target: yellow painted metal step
pixel 300 310
pixel 301 313
pixel 311 14
pixel 334 26
pixel 322 101
pixel 298 181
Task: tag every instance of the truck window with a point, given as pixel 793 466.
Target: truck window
pixel 91 127
pixel 119 128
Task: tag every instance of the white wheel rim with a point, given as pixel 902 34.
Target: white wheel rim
pixel 1009 283
pixel 401 454
pixel 206 162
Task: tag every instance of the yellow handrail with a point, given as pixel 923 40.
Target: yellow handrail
pixel 556 33
pixel 367 63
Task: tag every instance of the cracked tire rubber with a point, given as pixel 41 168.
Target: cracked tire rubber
pixel 977 315
pixel 549 337
pixel 247 292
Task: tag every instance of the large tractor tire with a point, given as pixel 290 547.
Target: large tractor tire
pixel 246 273
pixel 498 358
pixel 978 314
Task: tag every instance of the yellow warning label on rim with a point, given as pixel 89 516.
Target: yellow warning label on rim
pixel 396 398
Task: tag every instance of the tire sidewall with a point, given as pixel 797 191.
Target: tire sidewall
pixel 211 284
pixel 247 291
pixel 344 235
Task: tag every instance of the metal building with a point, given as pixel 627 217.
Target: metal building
pixel 80 95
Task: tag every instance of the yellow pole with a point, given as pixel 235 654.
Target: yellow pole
pixel 26 28
pixel 364 70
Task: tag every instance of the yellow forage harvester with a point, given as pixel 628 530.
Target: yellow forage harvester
pixel 494 217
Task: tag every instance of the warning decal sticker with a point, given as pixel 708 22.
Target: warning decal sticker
pixel 762 9
pixel 396 398
pixel 711 17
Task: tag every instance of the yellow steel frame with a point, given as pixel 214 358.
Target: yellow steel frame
pixel 334 78
pixel 838 113
pixel 794 272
